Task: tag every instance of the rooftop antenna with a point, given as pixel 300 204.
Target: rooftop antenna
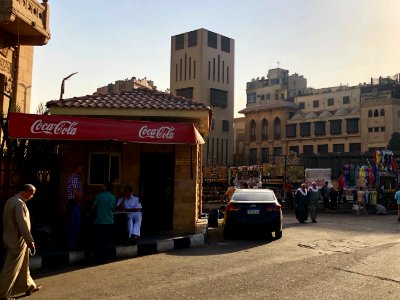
pixel 278 63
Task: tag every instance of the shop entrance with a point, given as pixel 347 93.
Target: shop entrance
pixel 157 191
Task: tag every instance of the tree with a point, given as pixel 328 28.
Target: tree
pixel 394 143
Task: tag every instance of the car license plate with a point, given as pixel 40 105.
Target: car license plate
pixel 253 211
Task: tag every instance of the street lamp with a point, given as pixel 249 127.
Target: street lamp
pixel 63 83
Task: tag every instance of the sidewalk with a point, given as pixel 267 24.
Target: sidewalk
pixel 147 245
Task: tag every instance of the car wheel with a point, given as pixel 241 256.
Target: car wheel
pixel 228 232
pixel 278 234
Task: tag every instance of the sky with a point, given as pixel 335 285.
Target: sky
pixel 329 42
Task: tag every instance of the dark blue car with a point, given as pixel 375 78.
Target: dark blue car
pixel 253 209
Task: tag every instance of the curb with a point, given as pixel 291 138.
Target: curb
pixel 63 259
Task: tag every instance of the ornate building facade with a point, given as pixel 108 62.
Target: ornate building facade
pixel 340 119
pixel 23 24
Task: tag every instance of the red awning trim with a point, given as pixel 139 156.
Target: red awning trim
pixel 29 126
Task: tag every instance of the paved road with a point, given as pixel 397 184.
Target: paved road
pixel 340 257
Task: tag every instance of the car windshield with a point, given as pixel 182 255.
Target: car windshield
pixel 254 196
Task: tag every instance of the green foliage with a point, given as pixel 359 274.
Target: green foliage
pixel 394 143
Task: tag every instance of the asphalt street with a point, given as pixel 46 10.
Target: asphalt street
pixel 340 257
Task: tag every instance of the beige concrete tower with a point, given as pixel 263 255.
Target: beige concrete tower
pixel 202 69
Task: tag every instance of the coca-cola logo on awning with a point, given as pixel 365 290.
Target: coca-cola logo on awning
pixel 163 132
pixel 60 128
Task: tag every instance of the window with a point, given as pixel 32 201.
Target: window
pixel 382 112
pixel 382 129
pixel 294 149
pixel 338 148
pixel 277 150
pixel 282 96
pixel 187 93
pixel 305 129
pixel 253 156
pixel 370 113
pixel 315 103
pixel 319 129
pixel 179 41
pixel 376 113
pixel 262 97
pixel 302 105
pixel 370 129
pixel 225 125
pixel 264 154
pixel 218 98
pixel 212 39
pixel 308 149
pixel 225 44
pixel 276 96
pixel 192 38
pixel 251 98
pixel 291 130
pixel 322 148
pixel 264 129
pixel 291 114
pixel 336 127
pixel 331 101
pixel 267 96
pixel 376 129
pixel 346 100
pixel 354 147
pixel 104 167
pixel 252 130
pixel 277 129
pixel 352 125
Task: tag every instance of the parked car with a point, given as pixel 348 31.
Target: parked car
pixel 253 209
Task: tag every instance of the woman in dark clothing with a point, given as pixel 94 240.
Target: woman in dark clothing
pixel 301 203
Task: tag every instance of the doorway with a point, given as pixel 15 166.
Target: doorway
pixel 157 191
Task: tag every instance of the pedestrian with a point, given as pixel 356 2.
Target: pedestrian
pixel 74 204
pixel 18 242
pixel 229 192
pixel 103 205
pixel 301 203
pixel 314 196
pixel 361 201
pixel 288 187
pixel 333 198
pixel 130 203
pixel 397 198
pixel 341 184
pixel 325 194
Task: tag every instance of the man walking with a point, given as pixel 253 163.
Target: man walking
pixel 15 277
pixel 314 196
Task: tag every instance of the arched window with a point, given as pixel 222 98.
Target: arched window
pixel 376 113
pixel 252 130
pixel 264 129
pixel 382 112
pixel 370 113
pixel 277 128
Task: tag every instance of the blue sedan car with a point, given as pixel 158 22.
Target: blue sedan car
pixel 251 209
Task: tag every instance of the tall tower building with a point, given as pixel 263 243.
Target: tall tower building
pixel 202 69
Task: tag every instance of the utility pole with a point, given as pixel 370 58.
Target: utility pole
pixel 63 83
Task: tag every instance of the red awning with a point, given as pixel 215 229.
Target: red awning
pixel 28 126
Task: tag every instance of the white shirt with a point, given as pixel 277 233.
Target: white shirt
pixel 132 202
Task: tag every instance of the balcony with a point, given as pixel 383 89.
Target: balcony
pixel 25 21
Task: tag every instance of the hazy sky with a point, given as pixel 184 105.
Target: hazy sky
pixel 329 42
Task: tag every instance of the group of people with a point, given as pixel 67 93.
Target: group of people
pixel 305 201
pixel 102 209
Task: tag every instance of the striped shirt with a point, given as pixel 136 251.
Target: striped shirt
pixel 74 182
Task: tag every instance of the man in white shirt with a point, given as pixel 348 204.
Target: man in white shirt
pixel 130 203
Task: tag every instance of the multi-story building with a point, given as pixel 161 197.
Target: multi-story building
pixel 202 69
pixel 127 85
pixel 23 24
pixel 340 119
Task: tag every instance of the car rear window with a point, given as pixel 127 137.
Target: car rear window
pixel 243 196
